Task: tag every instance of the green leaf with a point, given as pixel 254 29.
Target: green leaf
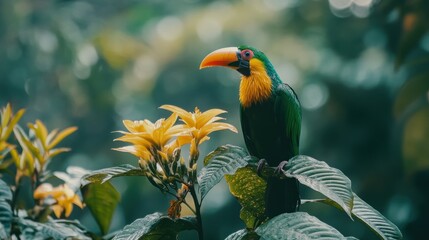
pixel 5 216
pixel 228 150
pixel 224 160
pixel 249 189
pixel 373 219
pixel 50 230
pixel 243 234
pixel 5 193
pixel 297 225
pixel 156 226
pixel 105 174
pixel 3 232
pixel 320 177
pixel 101 199
pixel 5 208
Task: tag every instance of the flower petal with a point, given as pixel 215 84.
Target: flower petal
pixel 69 208
pixel 57 210
pixel 183 114
pixel 43 191
pixel 206 116
pixel 77 201
pixel 217 126
pixel 170 121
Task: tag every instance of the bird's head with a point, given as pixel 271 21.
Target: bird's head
pixel 244 59
pixel 259 77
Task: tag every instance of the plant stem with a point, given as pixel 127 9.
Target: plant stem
pixel 198 212
pixel 184 202
pixel 189 206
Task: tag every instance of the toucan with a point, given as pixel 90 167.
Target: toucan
pixel 270 115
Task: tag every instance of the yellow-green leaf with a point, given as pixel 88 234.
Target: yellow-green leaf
pixel 26 144
pixel 5 115
pixel 63 134
pixel 101 199
pixel 8 128
pixel 54 152
pixel 40 131
pixel 249 189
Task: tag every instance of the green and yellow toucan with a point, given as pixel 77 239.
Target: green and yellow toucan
pixel 270 119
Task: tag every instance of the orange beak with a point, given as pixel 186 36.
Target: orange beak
pixel 224 57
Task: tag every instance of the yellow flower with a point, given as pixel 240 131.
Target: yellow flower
pixel 201 123
pixel 137 150
pixel 148 137
pixel 63 195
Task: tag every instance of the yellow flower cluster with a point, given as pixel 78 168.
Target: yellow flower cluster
pixel 158 146
pixel 149 138
pixel 161 139
pixel 64 198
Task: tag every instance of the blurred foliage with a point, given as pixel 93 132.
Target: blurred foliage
pixel 93 63
pixel 25 170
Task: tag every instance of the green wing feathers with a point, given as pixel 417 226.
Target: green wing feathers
pixel 288 113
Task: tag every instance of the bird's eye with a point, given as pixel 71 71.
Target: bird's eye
pixel 246 54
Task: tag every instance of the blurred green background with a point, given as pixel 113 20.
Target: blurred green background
pixel 359 67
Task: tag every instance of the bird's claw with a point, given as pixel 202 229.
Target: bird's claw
pixel 279 170
pixel 261 165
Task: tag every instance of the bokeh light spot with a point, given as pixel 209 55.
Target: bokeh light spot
pixel 87 55
pixel 425 42
pixel 209 29
pixel 46 40
pixel 169 28
pixel 340 4
pixel 314 96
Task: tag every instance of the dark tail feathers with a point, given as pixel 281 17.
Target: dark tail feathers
pixel 281 196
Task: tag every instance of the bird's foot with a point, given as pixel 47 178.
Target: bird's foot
pixel 261 165
pixel 279 170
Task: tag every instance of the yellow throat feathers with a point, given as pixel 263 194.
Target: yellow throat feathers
pixel 257 86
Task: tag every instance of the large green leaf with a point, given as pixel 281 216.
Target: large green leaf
pixel 373 219
pixel 101 199
pixel 224 160
pixel 5 208
pixel 249 189
pixel 3 233
pixel 243 234
pixel 320 177
pixel 297 225
pixel 50 230
pixel 384 228
pixel 5 193
pixel 156 226
pixel 105 174
pixel 227 150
